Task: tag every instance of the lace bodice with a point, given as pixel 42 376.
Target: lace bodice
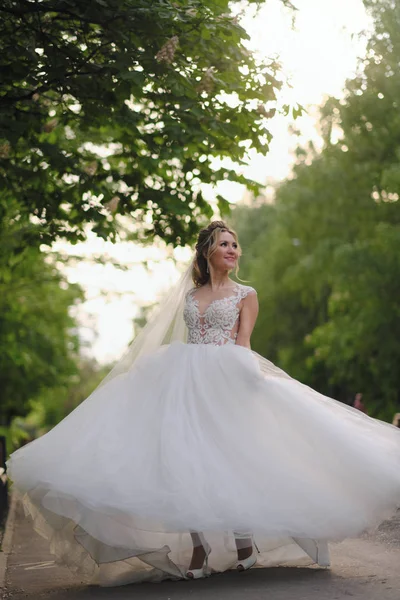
pixel 218 324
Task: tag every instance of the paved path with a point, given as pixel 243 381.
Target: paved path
pixel 363 569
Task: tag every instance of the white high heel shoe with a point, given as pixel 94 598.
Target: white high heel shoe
pixel 250 561
pixel 203 571
pixel 247 563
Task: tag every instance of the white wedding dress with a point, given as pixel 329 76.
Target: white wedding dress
pixel 202 437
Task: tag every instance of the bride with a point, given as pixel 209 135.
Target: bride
pixel 196 455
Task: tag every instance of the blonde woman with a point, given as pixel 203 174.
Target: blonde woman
pixel 197 455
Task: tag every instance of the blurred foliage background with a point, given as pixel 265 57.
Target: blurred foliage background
pixel 118 109
pixel 325 256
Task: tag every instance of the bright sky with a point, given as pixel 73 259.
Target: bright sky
pixel 318 55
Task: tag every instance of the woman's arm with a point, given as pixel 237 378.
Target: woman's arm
pixel 248 318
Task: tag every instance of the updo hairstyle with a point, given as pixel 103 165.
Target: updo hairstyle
pixel 206 245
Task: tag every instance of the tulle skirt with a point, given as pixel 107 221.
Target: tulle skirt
pixel 197 438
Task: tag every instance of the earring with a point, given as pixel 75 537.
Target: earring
pixel 207 268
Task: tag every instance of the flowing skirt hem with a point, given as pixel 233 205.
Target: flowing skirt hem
pixel 97 564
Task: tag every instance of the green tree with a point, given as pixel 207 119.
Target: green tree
pixel 38 335
pixel 359 343
pixel 327 267
pixel 121 106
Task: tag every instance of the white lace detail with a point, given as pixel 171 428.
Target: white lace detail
pixel 215 326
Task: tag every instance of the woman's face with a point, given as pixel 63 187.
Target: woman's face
pixel 226 254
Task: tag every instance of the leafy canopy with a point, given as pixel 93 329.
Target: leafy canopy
pixel 121 107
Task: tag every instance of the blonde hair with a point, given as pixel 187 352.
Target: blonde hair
pixel 206 245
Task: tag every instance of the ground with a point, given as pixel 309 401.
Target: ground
pixel 363 569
